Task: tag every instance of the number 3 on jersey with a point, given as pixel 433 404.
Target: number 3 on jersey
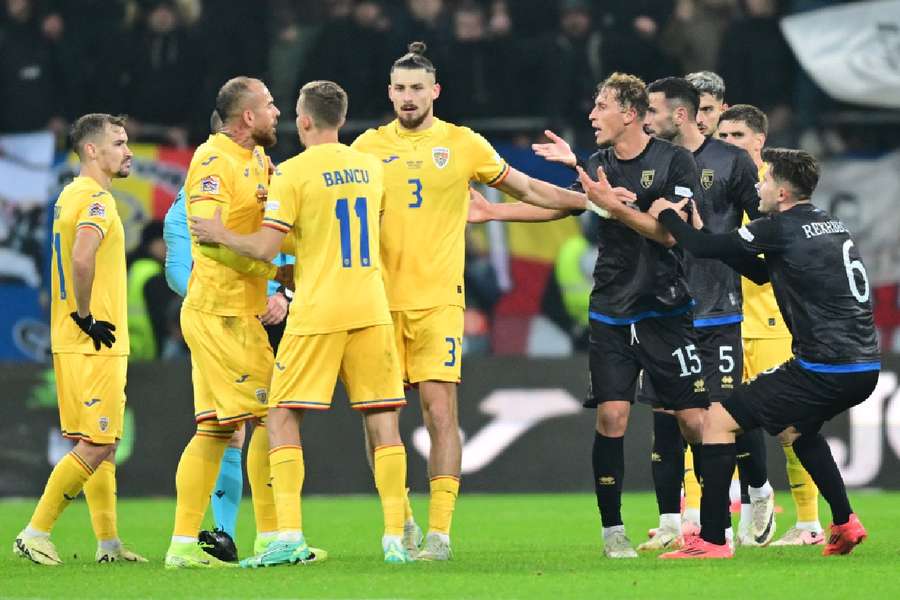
pixel 416 192
pixel 342 212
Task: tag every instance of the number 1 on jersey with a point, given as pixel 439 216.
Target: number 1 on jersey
pixel 59 267
pixel 342 213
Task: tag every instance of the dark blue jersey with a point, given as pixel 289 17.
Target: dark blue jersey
pixel 635 277
pixel 728 180
pixel 820 284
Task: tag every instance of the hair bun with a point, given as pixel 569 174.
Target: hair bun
pixel 417 48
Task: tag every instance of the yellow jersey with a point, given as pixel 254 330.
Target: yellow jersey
pixel 762 318
pixel 329 199
pixel 85 204
pixel 226 175
pixel 426 181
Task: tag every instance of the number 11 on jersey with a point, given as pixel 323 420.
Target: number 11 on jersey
pixel 342 213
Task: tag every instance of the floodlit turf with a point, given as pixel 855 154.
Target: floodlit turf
pixel 515 546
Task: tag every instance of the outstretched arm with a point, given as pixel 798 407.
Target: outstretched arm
pixel 725 247
pixel 603 195
pixel 546 195
pixel 481 210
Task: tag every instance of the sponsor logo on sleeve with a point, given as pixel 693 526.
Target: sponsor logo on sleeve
pixel 209 185
pixel 97 209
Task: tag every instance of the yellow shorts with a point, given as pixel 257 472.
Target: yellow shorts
pixel 307 368
pixel 762 354
pixel 91 393
pixel 429 343
pixel 231 366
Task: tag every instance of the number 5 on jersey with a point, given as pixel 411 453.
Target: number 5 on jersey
pixel 342 213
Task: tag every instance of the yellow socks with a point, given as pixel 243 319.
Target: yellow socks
pixel 444 490
pixel 407 507
pixel 196 476
pixel 390 479
pixel 691 485
pixel 286 464
pixel 804 491
pixel 258 474
pixel 64 484
pixel 100 493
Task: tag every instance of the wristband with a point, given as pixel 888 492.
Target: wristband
pixel 588 205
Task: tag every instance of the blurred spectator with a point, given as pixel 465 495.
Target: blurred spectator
pixel 530 18
pixel 578 64
pixel 22 242
pixel 428 21
pixel 337 56
pixel 149 296
pixel 643 18
pixel 31 83
pixel 475 86
pixel 162 71
pixel 757 65
pixel 693 35
pixel 96 35
pixel 296 26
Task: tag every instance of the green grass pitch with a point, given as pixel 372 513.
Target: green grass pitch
pixel 506 546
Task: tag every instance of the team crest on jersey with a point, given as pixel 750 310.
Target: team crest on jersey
pixel 261 192
pixel 209 185
pixel 707 176
pixel 441 156
pixel 97 209
pixel 262 395
pixel 647 178
pixel 103 422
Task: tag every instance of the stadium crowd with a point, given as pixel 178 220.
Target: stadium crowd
pixel 159 61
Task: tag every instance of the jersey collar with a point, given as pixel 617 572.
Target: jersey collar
pixel 437 127
pixel 229 146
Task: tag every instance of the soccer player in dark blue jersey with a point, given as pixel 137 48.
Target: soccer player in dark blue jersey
pixel 823 290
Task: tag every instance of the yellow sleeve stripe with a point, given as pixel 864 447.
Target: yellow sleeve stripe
pixel 201 198
pixel 92 225
pixel 500 176
pixel 276 224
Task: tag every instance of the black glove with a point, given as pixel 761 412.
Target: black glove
pixel 100 331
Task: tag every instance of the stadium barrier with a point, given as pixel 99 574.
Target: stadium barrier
pixel 523 431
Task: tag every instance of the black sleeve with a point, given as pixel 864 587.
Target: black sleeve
pixel 743 185
pixel 726 247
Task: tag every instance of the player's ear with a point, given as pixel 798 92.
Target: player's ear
pixel 436 91
pixel 248 117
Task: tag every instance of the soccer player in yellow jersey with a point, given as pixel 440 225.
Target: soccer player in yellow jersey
pixel 428 164
pixel 767 341
pixel 329 200
pixel 90 358
pixel 231 357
